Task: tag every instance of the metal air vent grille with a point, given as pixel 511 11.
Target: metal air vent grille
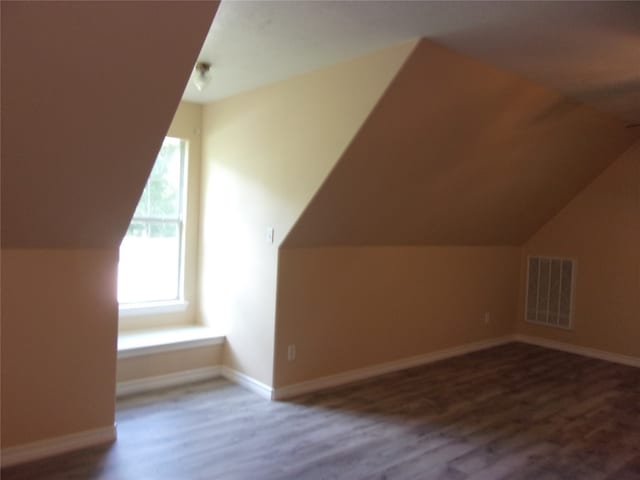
pixel 550 285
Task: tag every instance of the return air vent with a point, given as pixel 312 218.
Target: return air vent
pixel 550 284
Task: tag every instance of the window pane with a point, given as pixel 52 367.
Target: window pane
pixel 164 182
pixel 142 210
pixel 150 254
pixel 161 195
pixel 149 267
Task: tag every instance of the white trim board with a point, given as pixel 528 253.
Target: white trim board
pixel 380 369
pixel 578 350
pixel 137 344
pixel 248 382
pixel 148 384
pixel 206 373
pixel 55 446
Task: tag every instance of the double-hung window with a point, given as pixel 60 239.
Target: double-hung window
pixel 150 269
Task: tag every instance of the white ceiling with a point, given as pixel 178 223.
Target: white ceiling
pixel 588 50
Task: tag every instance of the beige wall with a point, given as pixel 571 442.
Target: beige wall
pixel 187 125
pixel 456 152
pixel 58 342
pixel 600 228
pixel 136 368
pixel 265 154
pixel 76 150
pixel 350 307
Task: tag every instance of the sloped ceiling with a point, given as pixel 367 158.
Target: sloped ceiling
pixel 88 92
pixel 459 153
pixel 588 50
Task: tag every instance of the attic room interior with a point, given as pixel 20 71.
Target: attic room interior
pixel 398 240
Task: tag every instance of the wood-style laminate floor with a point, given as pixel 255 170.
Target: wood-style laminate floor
pixel 516 411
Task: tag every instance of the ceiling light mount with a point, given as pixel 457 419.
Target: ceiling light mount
pixel 202 75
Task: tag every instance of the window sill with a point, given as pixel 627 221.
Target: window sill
pixel 155 308
pixel 146 342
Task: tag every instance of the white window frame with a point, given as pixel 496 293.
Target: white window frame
pixel 178 303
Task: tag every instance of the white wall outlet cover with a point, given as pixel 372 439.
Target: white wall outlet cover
pixel 291 353
pixel 268 235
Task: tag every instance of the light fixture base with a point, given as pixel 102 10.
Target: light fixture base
pixel 202 75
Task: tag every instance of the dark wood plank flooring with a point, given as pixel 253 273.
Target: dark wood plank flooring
pixel 516 412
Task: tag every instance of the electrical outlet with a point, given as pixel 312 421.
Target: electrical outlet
pixel 291 352
pixel 487 318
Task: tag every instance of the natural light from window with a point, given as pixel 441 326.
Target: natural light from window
pixel 151 253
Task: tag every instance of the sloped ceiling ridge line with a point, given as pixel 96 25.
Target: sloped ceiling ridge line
pixel 285 242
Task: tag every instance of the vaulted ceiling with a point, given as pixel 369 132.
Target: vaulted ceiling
pixel 588 50
pixel 89 89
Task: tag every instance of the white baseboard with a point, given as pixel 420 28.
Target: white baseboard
pixel 148 384
pixel 248 382
pixel 578 350
pixel 380 369
pixel 55 446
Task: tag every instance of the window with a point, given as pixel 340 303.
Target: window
pixel 151 254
